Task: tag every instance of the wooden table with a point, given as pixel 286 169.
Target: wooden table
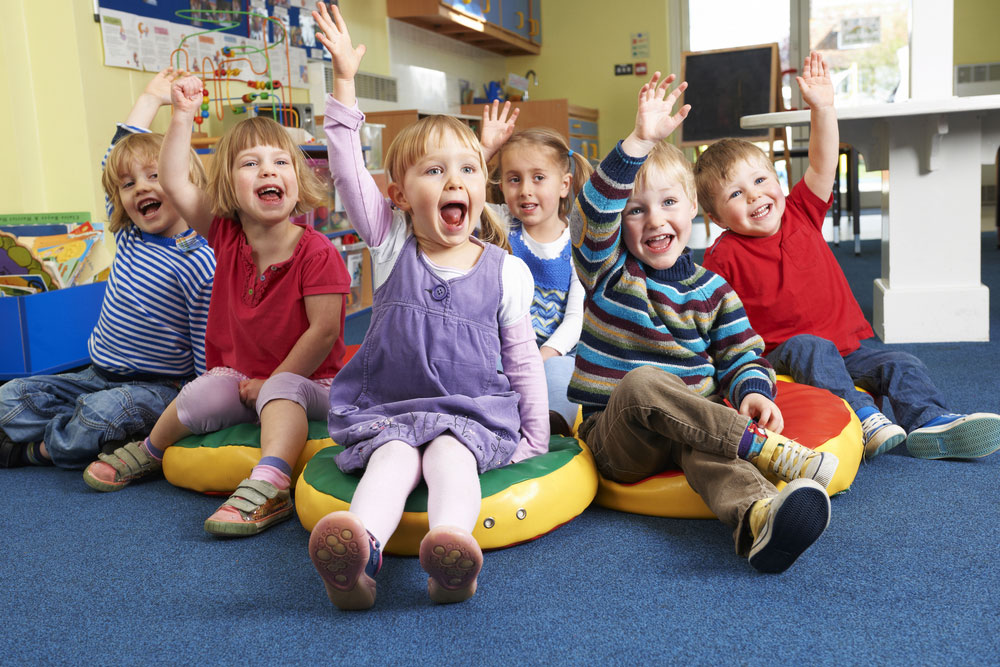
pixel 931 151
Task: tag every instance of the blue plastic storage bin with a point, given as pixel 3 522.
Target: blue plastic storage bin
pixel 47 333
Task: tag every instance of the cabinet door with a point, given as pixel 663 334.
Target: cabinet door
pixel 491 11
pixel 516 15
pixel 535 22
pixel 471 7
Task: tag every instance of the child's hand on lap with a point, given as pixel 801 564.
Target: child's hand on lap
pixel 815 83
pixel 762 410
pixel 654 120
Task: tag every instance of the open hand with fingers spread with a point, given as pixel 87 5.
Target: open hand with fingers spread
pixel 497 127
pixel 815 82
pixel 655 119
pixel 346 57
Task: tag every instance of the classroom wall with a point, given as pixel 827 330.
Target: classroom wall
pixel 976 24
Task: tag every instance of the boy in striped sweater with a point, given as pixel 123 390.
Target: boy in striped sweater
pixel 664 341
pixel 150 335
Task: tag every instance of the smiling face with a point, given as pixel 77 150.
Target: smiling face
pixel 265 184
pixel 656 221
pixel 444 191
pixel 143 200
pixel 749 201
pixel 533 185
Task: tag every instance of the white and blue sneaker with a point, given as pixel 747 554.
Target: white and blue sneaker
pixel 880 435
pixel 787 524
pixel 954 436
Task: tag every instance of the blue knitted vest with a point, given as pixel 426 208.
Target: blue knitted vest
pixel 552 278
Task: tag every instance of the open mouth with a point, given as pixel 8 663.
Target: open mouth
pixel 660 243
pixel 761 212
pixel 148 207
pixel 529 207
pixel 270 194
pixel 453 214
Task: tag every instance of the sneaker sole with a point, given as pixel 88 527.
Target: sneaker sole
pixel 888 445
pixel 339 550
pixel 797 524
pixel 246 528
pixel 974 438
pixel 453 559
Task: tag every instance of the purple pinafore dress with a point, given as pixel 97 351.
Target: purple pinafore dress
pixel 428 366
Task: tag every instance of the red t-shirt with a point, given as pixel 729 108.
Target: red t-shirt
pixel 790 283
pixel 254 321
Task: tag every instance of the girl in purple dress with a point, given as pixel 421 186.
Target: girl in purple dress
pixel 422 399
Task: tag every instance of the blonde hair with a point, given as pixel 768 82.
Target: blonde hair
pixel 549 142
pixel 714 166
pixel 144 147
pixel 411 144
pixel 668 162
pixel 259 131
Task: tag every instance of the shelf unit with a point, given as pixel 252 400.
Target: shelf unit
pixel 507 27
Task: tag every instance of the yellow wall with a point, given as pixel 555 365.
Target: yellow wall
pixel 976 25
pixel 581 43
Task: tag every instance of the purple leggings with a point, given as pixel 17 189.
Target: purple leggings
pixel 212 401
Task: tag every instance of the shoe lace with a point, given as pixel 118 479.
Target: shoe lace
pixel 873 423
pixel 792 458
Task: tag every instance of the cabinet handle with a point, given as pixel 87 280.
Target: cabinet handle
pixel 466 2
pixel 533 29
pixel 595 156
pixel 520 20
pixel 485 5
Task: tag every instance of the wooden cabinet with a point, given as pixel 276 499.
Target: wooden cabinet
pixel 395 121
pixel 578 124
pixel 507 27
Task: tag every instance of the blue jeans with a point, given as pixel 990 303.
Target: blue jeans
pixel 898 376
pixel 558 371
pixel 74 414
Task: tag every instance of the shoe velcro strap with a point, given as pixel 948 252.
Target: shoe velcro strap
pixel 130 459
pixel 251 494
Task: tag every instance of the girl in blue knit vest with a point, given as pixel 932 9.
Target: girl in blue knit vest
pixel 539 178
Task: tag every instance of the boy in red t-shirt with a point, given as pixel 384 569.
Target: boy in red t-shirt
pixel 798 299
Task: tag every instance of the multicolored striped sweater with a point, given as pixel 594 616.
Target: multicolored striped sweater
pixel 685 320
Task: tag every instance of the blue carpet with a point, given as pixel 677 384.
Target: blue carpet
pixel 905 574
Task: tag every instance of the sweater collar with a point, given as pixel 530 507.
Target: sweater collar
pixel 683 268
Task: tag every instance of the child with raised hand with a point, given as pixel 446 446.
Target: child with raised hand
pixel 422 398
pixel 664 341
pixel 147 341
pixel 540 178
pixel 774 254
pixel 274 340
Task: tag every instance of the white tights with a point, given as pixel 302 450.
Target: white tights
pixel 394 470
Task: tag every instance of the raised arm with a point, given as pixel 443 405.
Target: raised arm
pixel 497 127
pixel 155 95
pixel 346 57
pixel 824 134
pixel 190 201
pixel 654 118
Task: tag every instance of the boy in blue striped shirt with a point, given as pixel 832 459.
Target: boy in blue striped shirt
pixel 664 341
pixel 150 335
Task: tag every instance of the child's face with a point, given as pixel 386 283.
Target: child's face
pixel 657 221
pixel 444 192
pixel 751 202
pixel 267 188
pixel 533 185
pixel 144 202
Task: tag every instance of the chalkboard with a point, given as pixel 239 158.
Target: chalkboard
pixel 724 85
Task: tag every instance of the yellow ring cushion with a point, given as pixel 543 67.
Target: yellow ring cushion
pixel 521 501
pixel 813 417
pixel 217 462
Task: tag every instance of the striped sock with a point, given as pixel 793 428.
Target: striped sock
pixel 273 470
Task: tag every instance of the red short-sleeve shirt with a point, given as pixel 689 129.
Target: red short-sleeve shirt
pixel 254 321
pixel 790 283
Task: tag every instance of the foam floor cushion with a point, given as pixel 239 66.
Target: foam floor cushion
pixel 217 462
pixel 521 502
pixel 813 417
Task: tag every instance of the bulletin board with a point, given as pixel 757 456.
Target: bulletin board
pixel 724 85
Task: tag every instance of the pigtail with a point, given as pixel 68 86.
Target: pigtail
pixel 491 230
pixel 580 167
